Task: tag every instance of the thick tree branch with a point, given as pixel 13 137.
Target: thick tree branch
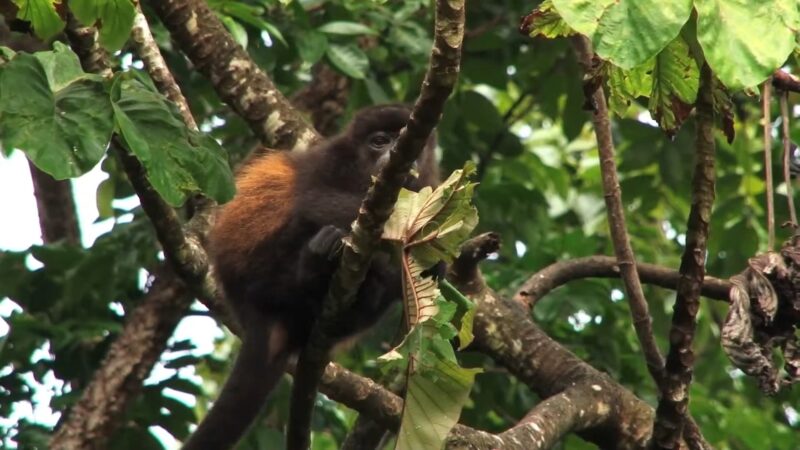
pixel 674 401
pixel 577 408
pixel 640 312
pixel 562 272
pixel 439 81
pixel 237 79
pixel 56 207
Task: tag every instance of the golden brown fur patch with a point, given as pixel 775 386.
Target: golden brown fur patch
pixel 264 199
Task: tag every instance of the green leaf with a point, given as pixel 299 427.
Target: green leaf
pixel 177 161
pixel 744 41
pixel 465 314
pixel 349 59
pixel 348 28
pixel 311 45
pixel 632 31
pixel 113 18
pixel 582 15
pixel 433 404
pixel 61 66
pixel 63 123
pixel 675 83
pixel 42 15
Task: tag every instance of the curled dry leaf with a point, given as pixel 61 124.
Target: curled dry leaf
pixel 763 316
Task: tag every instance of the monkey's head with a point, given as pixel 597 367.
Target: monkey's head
pixel 363 147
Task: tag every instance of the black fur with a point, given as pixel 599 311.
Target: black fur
pixel 278 293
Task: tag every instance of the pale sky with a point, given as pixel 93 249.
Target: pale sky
pixel 19 229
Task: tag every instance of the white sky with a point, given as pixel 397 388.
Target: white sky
pixel 19 229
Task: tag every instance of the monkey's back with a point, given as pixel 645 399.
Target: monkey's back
pixel 244 241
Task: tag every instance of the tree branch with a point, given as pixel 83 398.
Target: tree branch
pixel 562 272
pixel 147 49
pixel 130 359
pixel 132 355
pixel 239 82
pixel 785 81
pixel 640 312
pixel 674 401
pixel 439 81
pixel 56 207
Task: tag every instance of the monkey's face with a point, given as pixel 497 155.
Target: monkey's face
pixel 379 146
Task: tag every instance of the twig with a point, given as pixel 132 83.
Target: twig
pixel 674 400
pixel 562 272
pixel 787 154
pixel 642 321
pixel 766 98
pixel 439 81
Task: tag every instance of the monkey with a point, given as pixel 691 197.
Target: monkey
pixel 275 246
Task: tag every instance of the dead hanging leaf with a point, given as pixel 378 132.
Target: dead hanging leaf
pixel 429 226
pixel 763 316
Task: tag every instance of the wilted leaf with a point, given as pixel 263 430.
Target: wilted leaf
pixel 625 86
pixel 545 21
pixel 675 83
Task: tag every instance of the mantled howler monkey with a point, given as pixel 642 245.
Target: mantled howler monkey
pixel 275 247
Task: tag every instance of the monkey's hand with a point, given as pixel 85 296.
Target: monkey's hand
pixel 437 271
pixel 327 243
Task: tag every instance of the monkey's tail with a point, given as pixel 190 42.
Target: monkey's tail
pixel 256 372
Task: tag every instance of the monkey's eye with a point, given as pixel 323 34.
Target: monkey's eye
pixel 380 141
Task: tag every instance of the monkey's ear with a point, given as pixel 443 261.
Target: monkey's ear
pixel 327 242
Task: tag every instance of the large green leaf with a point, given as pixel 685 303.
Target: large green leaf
pixel 632 31
pixel 433 404
pixel 42 15
pixel 178 162
pixel 59 116
pixel 115 19
pixel 744 41
pixel 675 82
